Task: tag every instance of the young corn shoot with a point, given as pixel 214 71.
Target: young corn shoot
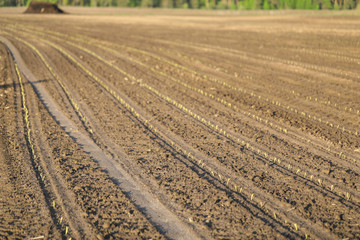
pixel 348 196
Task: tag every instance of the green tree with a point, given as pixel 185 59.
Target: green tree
pixel 194 4
pixel 349 4
pixel 325 4
pixel 179 3
pixel 309 4
pixel 120 3
pixel 266 5
pixel 249 4
pixel 290 4
pixel 299 4
pixel 146 3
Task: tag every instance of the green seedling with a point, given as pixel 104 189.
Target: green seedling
pixel 227 182
pixel 348 196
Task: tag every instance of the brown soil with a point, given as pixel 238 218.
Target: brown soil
pixel 243 127
pixel 43 7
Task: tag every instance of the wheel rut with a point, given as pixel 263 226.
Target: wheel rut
pixel 158 214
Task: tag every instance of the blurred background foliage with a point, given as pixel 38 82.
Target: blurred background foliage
pixel 203 4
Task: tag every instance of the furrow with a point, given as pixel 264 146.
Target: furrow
pixel 161 216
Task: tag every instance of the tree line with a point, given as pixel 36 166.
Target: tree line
pixel 202 4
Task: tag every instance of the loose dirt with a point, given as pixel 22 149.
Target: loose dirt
pixel 43 7
pixel 238 126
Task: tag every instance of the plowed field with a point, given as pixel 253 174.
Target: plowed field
pixel 179 125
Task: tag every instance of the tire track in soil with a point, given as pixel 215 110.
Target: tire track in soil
pixel 158 59
pixel 78 227
pixel 341 152
pixel 295 138
pixel 248 56
pixel 247 90
pixel 101 203
pixel 29 189
pixel 354 193
pixel 23 210
pixel 100 138
pixel 332 103
pixel 350 76
pixel 206 48
pixel 299 136
pixel 166 221
pixel 50 191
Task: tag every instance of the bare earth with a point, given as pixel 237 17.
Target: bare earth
pixel 155 124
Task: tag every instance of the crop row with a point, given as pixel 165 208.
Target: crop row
pixel 241 90
pixel 341 154
pixel 330 188
pixel 346 195
pixel 66 91
pixel 315 99
pixel 325 53
pixel 327 103
pixel 285 163
pixel 221 177
pixel 246 56
pixel 247 92
pixel 274 102
pixel 313 67
pixel 37 166
pixel 211 96
pixel 74 105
